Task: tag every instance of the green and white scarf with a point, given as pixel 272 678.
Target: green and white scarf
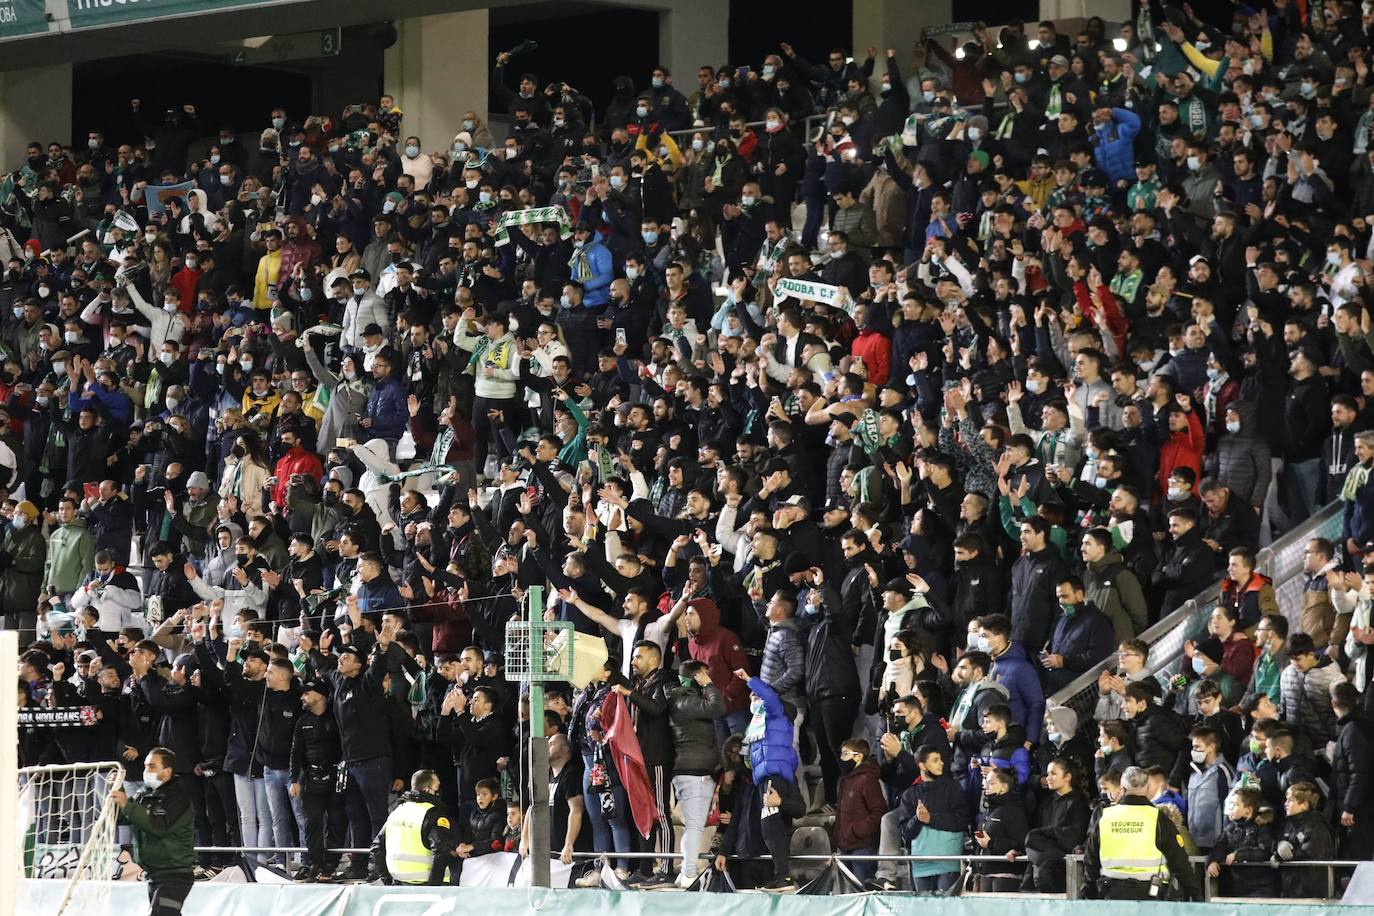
pixel 1355 480
pixel 532 216
pixel 824 293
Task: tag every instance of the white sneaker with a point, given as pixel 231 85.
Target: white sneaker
pixel 683 882
pixel 590 879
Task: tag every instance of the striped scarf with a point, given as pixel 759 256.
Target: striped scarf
pixel 1355 480
pixel 532 216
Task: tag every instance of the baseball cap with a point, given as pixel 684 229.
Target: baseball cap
pixel 799 501
pixel 314 686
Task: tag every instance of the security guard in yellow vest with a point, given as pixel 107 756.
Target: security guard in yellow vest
pixel 1134 852
pixel 417 844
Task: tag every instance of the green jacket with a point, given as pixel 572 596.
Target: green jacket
pixel 26 553
pixel 164 826
pixel 71 553
pixel 195 520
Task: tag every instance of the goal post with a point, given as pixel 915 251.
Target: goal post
pixel 66 827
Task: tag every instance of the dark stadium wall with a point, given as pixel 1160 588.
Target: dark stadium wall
pixel 587 50
pixel 812 28
pixel 222 92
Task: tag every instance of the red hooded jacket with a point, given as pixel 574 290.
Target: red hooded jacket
pixel 1181 449
pixel 296 461
pixel 721 652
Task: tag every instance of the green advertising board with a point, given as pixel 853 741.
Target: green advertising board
pixel 86 14
pixel 22 17
pixel 214 899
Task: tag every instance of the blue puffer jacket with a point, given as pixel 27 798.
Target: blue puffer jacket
pixel 386 405
pixel 597 276
pixel 1013 670
pixel 1114 145
pixel 772 754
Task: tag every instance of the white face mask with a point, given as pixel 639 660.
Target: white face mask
pixel 43 292
pixel 360 290
pixel 1233 426
pixel 59 368
pixel 974 133
pixel 20 520
pixel 172 402
pixel 698 144
pixel 512 152
pixel 484 197
pixel 1177 494
pixel 18 311
pixel 226 180
pixel 70 337
pixel 316 200
pixel 169 307
pixel 151 779
pixel 772 124
pixel 632 273
pixel 246 365
pixel 167 359
pixel 470 184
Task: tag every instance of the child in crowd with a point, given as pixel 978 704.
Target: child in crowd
pixel 1247 836
pixel 1305 836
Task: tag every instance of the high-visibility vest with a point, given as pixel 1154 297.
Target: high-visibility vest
pixel 407 859
pixel 1126 843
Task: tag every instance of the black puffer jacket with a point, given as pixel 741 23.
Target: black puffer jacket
pixel 1251 841
pixel 692 711
pixel 1242 459
pixel 1160 736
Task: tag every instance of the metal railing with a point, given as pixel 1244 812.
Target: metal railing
pixel 1282 562
pixel 1073 865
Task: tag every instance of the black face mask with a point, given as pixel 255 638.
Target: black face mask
pixel 238 451
pixel 330 499
pixel 847 766
pixel 242 559
pixel 894 655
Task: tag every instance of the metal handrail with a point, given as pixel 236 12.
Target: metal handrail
pixel 1073 863
pixel 1189 618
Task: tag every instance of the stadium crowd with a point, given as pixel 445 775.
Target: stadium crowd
pixel 856 439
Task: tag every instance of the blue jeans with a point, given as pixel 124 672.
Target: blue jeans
pixel 864 870
pixel 1302 484
pixel 930 884
pixel 608 834
pixel 732 723
pixel 281 808
pixel 811 229
pixel 255 824
pixel 369 784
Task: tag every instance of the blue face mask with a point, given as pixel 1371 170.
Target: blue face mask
pixel 1200 664
pixel 1019 77
pixel 650 238
pixel 236 630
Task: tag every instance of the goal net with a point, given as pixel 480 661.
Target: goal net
pixel 67 831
